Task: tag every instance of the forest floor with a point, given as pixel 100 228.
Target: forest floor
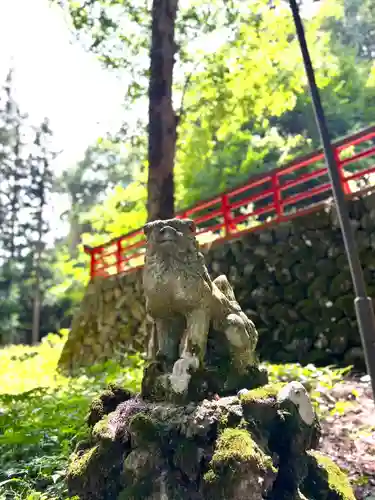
pixel 348 436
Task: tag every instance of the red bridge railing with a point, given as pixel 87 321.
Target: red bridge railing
pixel 269 198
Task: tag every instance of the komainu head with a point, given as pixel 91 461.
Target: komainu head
pixel 171 237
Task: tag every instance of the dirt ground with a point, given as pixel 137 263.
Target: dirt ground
pixel 349 432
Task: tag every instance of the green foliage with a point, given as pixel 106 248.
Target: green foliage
pixel 104 165
pixel 248 108
pixel 354 26
pixel 244 106
pixel 317 380
pixel 71 276
pixel 124 210
pixel 42 415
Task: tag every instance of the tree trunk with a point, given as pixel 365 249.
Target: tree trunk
pixel 35 333
pixel 162 119
pixel 37 304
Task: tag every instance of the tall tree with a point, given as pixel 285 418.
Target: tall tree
pixel 26 264
pixel 162 128
pixel 119 32
pixel 13 179
pixel 40 187
pixel 352 26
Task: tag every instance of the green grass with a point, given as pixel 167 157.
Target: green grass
pixel 42 416
pixel 42 413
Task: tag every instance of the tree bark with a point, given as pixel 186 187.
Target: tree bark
pixel 162 119
pixel 39 247
pixel 37 303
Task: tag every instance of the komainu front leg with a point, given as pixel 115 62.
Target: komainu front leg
pixel 167 335
pixel 192 349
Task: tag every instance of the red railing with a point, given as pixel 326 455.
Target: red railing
pixel 269 198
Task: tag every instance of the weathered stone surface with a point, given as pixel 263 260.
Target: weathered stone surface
pixel 299 261
pixel 256 445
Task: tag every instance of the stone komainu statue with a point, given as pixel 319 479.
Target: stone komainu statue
pixel 184 303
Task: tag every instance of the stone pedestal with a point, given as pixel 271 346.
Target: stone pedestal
pixel 246 447
pixel 207 425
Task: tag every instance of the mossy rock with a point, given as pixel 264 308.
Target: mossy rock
pixel 95 473
pixel 325 480
pixel 144 430
pixel 266 392
pixel 238 466
pixel 230 448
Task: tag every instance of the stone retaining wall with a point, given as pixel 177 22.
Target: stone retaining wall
pixel 293 280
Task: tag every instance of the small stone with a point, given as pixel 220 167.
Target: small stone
pixel 242 392
pixel 266 237
pixel 261 251
pixel 297 394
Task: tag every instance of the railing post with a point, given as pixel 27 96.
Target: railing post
pixel 344 182
pixel 91 251
pixel 277 196
pixel 226 214
pixel 119 256
pixel 92 263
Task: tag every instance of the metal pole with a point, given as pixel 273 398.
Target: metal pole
pixel 362 303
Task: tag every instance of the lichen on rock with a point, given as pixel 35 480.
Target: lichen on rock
pixel 325 480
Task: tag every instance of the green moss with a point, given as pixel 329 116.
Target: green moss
pixel 325 480
pixel 107 402
pixel 210 477
pixel 96 412
pixel 79 462
pixel 265 392
pixel 223 421
pixel 236 456
pixel 95 473
pixel 101 431
pixel 237 445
